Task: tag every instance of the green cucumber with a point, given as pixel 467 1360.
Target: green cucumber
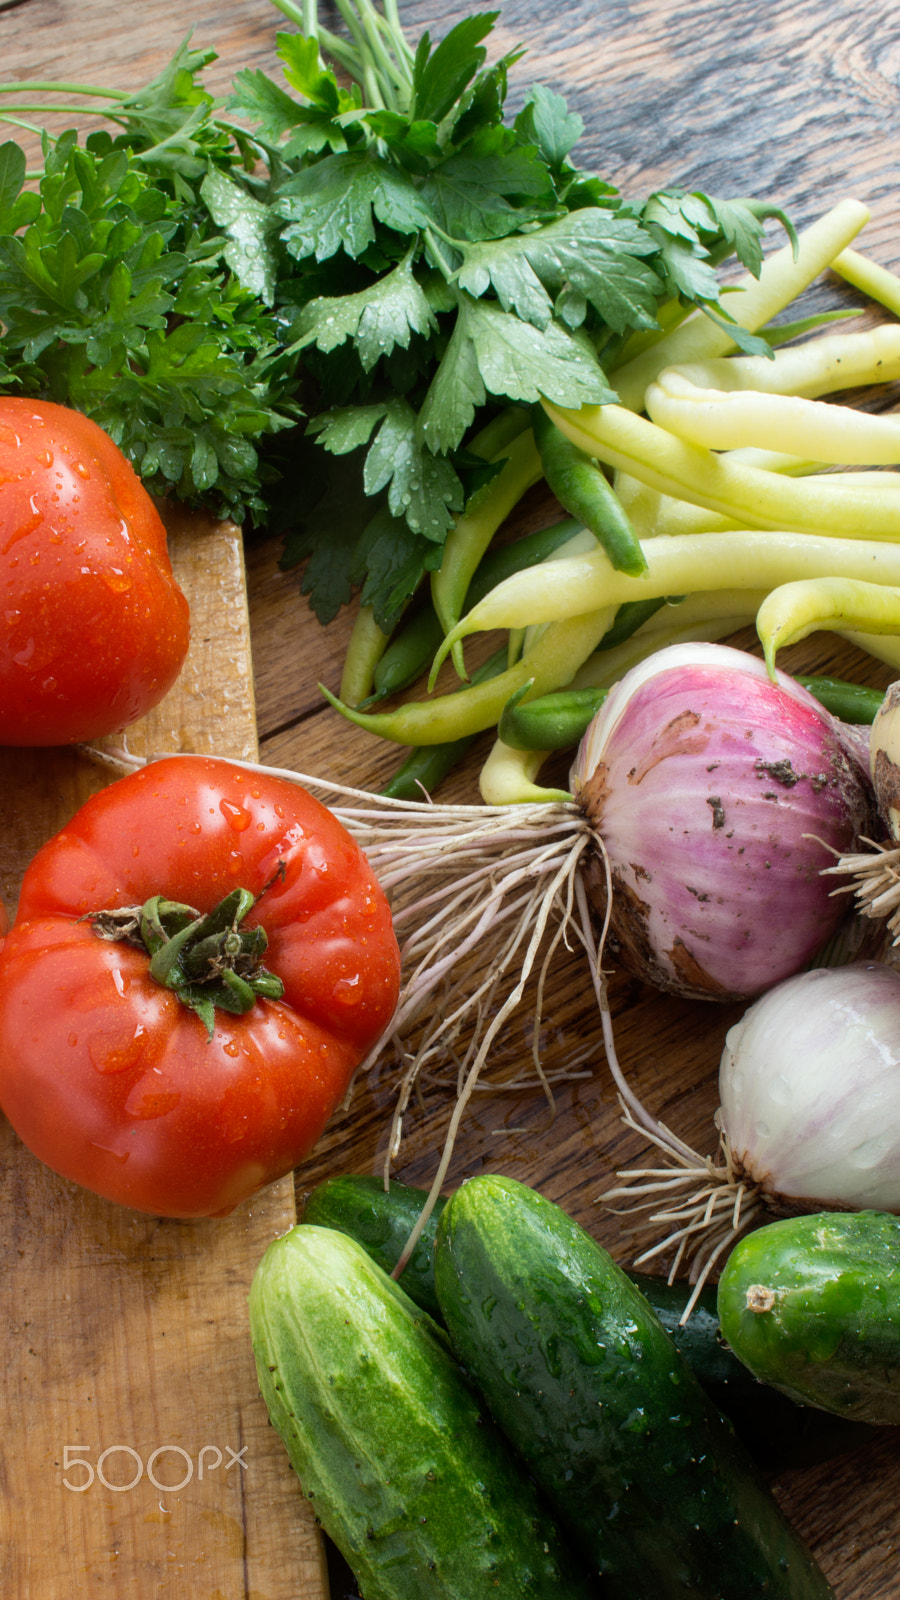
pixel 381 1220
pixel 811 1305
pixel 582 1377
pixel 778 1433
pixel 415 1486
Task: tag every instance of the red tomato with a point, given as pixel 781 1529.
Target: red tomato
pixel 105 1074
pixel 95 628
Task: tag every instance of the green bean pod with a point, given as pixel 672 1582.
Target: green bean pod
pixel 412 649
pixel 428 765
pixel 551 722
pixel 581 486
pixel 852 702
pixel 409 654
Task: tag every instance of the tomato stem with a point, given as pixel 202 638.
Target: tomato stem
pixel 206 959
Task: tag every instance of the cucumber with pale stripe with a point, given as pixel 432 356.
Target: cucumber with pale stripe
pixel 406 1472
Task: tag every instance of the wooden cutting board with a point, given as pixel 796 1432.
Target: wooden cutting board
pixel 136 1458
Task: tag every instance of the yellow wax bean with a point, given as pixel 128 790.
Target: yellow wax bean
pixel 873 280
pixel 606 667
pixel 752 304
pixel 748 559
pixel 507 777
pixel 817 366
pixel 473 531
pixel 367 645
pixel 883 646
pixel 758 499
pixel 701 617
pixel 794 610
pixel 726 420
pixel 655 515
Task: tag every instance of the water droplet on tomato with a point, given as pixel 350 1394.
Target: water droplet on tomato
pixel 236 816
pixel 116 580
pixel 23 657
pixel 82 470
pixel 152 1103
pixel 230 1048
pixel 347 991
pixel 109 1057
pixel 118 1155
pixel 44 458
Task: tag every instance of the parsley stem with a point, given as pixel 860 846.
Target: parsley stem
pixel 7 114
pixel 50 86
pixel 447 272
pixel 392 14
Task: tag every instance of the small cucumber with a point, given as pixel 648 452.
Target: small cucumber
pixel 415 1486
pixel 811 1305
pixel 583 1379
pixel 382 1221
pixel 779 1433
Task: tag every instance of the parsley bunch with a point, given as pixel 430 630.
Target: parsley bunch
pixel 444 263
pixel 115 297
pixel 322 294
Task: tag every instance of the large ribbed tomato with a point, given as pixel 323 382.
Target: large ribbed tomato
pixel 94 629
pixel 158 1091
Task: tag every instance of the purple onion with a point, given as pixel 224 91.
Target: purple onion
pixel 719 797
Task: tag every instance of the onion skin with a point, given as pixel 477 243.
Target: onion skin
pixel 702 777
pixel 884 756
pixel 809 1087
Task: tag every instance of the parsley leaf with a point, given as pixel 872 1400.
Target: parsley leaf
pixel 336 203
pixel 377 318
pixel 440 75
pixel 594 254
pixel 105 306
pixel 488 189
pixel 423 487
pixel 493 353
pixel 250 229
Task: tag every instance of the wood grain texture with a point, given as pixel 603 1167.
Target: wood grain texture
pixel 798 103
pixel 136 1457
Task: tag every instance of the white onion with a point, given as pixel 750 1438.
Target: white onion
pixel 720 798
pixel 809 1085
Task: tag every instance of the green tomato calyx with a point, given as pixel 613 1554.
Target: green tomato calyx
pixel 207 959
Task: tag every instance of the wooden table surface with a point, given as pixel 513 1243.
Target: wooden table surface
pixel 798 103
